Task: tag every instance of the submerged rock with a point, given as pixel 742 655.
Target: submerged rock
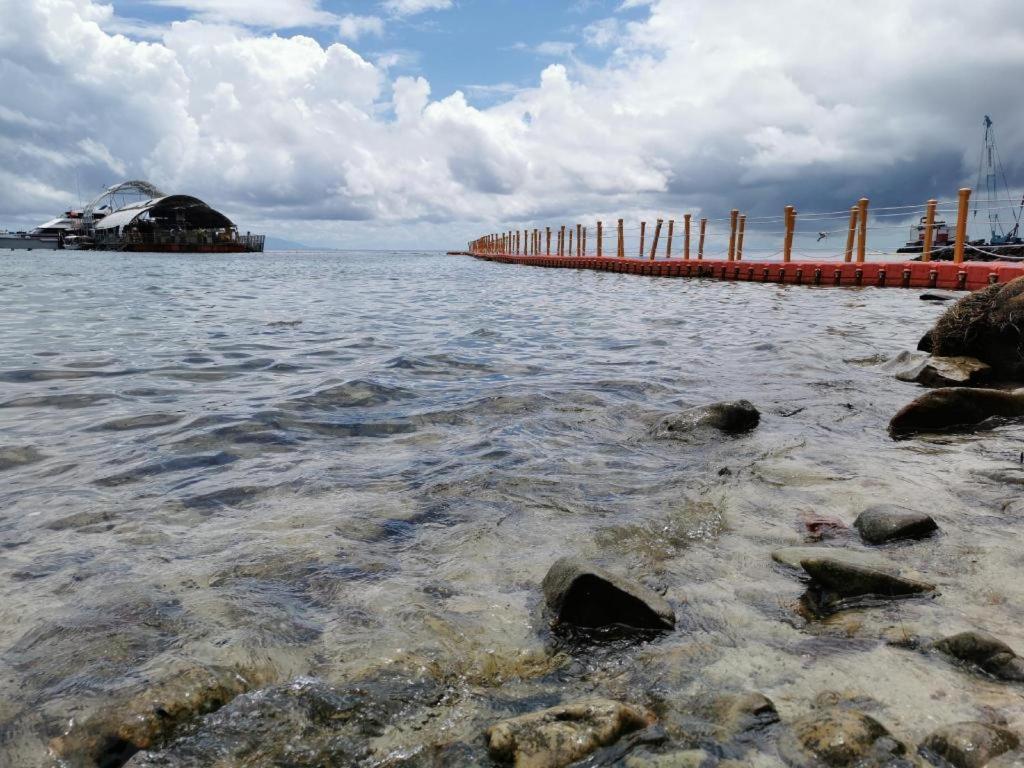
pixel 845 579
pixel 967 745
pixel 730 417
pixel 944 409
pixel 986 325
pixel 562 735
pixel 686 758
pixel 987 652
pixel 886 522
pixel 791 557
pixel 741 714
pixel 840 737
pixel 940 296
pixel 585 595
pixel 19 456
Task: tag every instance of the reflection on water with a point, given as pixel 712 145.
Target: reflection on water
pixel 329 467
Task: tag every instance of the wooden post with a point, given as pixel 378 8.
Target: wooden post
pixel 579 240
pixel 686 237
pixel 739 237
pixel 929 223
pixel 700 240
pixel 547 250
pixel 851 233
pixel 657 236
pixel 570 242
pixel 862 229
pixel 668 242
pixel 787 247
pixel 600 239
pixel 961 224
pixel 517 242
pixel 622 242
pixel 643 231
pixel 583 243
pixel 561 241
pixel 733 216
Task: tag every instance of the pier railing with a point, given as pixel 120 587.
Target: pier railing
pixel 807 236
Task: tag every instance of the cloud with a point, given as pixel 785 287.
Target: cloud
pixel 353 27
pixel 691 111
pixel 412 7
pixel 271 14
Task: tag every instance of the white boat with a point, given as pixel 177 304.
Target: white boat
pixel 62 232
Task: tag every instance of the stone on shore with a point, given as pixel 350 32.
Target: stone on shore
pixel 967 745
pixel 940 371
pixel 940 296
pixel 845 579
pixel 791 557
pixel 585 595
pixel 987 652
pixel 561 735
pixel 839 737
pixel 886 522
pixel 729 417
pixel 942 410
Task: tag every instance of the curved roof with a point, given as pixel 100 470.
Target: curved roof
pixel 206 217
pixel 136 187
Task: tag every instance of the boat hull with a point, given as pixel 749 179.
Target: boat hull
pixel 27 243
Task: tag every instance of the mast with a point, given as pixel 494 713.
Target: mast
pixel 991 167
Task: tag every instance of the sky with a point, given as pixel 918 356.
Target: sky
pixel 423 123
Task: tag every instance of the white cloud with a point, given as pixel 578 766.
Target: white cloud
pixel 272 14
pixel 352 27
pixel 412 7
pixel 690 111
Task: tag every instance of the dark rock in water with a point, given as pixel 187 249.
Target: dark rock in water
pixel 840 737
pixel 730 417
pixel 310 724
pixel 940 296
pixel 885 522
pixel 925 344
pixel 153 715
pixel 986 325
pixel 584 595
pixel 940 371
pixel 967 745
pixel 791 557
pixel 561 735
pixel 846 579
pixel 987 652
pixel 944 409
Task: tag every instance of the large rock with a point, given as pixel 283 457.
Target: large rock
pixel 730 417
pixel 562 735
pixel 987 652
pixel 585 595
pixel 845 579
pixel 945 409
pixel 967 745
pixel 986 325
pixel 886 522
pixel 939 371
pixel 940 296
pixel 839 737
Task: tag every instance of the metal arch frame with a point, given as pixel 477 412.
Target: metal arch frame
pixel 139 186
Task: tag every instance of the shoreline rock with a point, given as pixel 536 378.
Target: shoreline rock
pixel 967 745
pixel 935 371
pixel 883 523
pixel 985 651
pixel 943 410
pixel 585 595
pixel 733 418
pixel 839 737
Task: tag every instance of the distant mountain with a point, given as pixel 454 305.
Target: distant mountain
pixel 280 244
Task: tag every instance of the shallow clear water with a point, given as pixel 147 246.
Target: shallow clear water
pixel 331 464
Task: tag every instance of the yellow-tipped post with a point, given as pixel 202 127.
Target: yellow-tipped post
pixel 668 241
pixel 621 251
pixel 862 229
pixel 657 236
pixel 787 246
pixel 686 237
pixel 700 240
pixel 643 231
pixel 739 237
pixel 733 217
pixel 964 198
pixel 929 223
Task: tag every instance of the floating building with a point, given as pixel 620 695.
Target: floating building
pixel 136 216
